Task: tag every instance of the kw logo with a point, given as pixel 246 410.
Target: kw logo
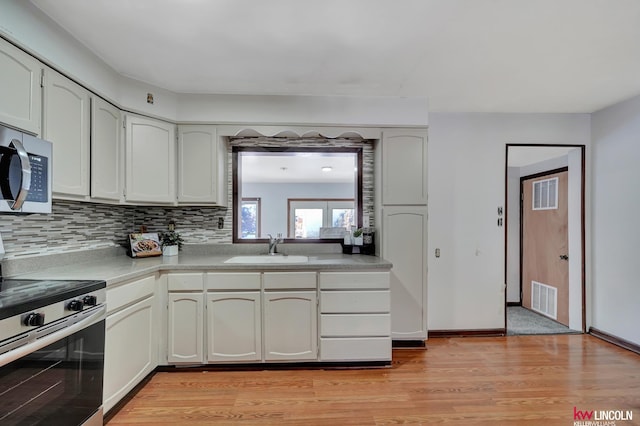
pixel 582 415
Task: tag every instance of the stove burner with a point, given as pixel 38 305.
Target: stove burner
pixel 19 296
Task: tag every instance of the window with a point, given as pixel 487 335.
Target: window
pixel 250 218
pixel 545 194
pixel 265 178
pixel 320 218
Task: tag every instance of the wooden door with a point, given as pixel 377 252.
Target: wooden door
pixel 545 266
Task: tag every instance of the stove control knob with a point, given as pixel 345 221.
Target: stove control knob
pixel 90 300
pixel 75 305
pixel 34 319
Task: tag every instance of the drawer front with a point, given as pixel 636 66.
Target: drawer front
pixel 233 281
pixel 355 349
pixel 345 302
pixel 185 282
pixel 355 325
pixel 126 294
pixel 289 280
pixel 354 280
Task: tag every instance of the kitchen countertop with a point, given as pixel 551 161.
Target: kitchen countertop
pixel 117 269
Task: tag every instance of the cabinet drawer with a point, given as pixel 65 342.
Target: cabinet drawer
pixel 354 280
pixel 125 294
pixel 233 281
pixel 289 280
pixel 185 282
pixel 355 349
pixel 355 325
pixel 341 302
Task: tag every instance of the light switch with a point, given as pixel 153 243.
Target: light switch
pixel 437 252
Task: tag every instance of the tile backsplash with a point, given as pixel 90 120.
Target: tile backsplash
pixel 74 225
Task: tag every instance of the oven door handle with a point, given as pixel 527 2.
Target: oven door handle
pixel 25 173
pixel 96 315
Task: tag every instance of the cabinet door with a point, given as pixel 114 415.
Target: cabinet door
pixel 20 88
pixel 66 125
pixel 404 167
pixel 185 328
pixel 404 243
pixel 286 339
pixel 201 166
pixel 106 151
pixel 233 326
pixel 130 351
pixel 150 160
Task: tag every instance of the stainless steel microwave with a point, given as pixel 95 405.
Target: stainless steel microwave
pixel 25 173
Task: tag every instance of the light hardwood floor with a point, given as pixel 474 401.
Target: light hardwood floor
pixel 518 380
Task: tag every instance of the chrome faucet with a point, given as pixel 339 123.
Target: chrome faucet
pixel 273 242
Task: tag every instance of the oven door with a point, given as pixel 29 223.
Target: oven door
pixel 58 384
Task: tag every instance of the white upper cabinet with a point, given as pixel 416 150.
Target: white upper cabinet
pixel 106 151
pixel 201 166
pixel 150 160
pixel 20 92
pixel 66 123
pixel 404 167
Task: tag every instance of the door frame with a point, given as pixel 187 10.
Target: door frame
pixel 582 224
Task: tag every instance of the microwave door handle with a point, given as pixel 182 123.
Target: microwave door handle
pixel 25 166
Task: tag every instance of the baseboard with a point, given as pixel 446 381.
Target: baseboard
pixel 489 332
pixel 625 344
pixel 418 344
pixel 514 303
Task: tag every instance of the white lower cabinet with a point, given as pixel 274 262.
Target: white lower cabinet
pixel 290 326
pixel 404 243
pixel 251 317
pixel 355 319
pixel 234 326
pixel 185 334
pixel 131 338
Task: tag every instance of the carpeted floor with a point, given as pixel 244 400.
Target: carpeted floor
pixel 524 321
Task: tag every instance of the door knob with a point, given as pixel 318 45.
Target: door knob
pixel 564 257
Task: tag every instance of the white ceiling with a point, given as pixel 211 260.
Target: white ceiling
pixel 464 55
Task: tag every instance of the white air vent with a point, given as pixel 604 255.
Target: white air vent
pixel 544 299
pixel 545 194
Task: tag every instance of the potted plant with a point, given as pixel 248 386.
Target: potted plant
pixel 357 237
pixel 171 242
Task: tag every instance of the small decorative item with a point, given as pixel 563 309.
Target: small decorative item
pixel 145 244
pixel 347 239
pixel 357 237
pixel 171 241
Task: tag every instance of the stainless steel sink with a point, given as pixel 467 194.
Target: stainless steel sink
pixel 268 259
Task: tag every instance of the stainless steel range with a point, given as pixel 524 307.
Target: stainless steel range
pixel 51 352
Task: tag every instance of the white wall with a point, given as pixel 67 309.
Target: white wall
pixel 615 294
pixel 466 185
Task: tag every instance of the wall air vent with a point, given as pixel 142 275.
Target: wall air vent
pixel 544 299
pixel 545 194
